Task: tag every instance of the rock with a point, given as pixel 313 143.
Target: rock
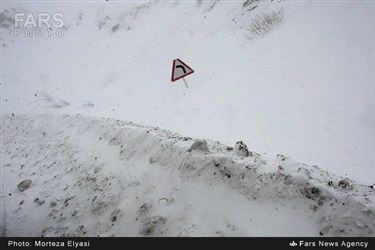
pixel 281 157
pixel 39 201
pixel 23 185
pixel 344 183
pixel 312 193
pixel 200 145
pixel 240 149
pixel 115 28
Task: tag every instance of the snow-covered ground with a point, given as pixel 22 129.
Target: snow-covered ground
pixel 305 89
pixel 105 177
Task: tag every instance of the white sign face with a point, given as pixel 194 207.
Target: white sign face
pixel 180 70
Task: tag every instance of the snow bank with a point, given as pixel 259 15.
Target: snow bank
pixel 103 177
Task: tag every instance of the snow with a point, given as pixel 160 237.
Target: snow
pixel 105 177
pixel 303 91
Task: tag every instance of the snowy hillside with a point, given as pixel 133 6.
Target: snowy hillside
pixel 300 86
pixel 105 177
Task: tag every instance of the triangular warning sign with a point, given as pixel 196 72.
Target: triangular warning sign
pixel 180 70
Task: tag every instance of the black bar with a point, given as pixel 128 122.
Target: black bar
pixel 188 242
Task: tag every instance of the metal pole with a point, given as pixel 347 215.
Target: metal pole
pixel 187 86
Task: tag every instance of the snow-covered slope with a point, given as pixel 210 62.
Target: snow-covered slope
pixel 105 177
pixel 305 89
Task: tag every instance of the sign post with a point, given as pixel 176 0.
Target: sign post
pixel 187 86
pixel 180 70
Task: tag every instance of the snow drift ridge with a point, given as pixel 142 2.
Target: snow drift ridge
pixel 86 185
